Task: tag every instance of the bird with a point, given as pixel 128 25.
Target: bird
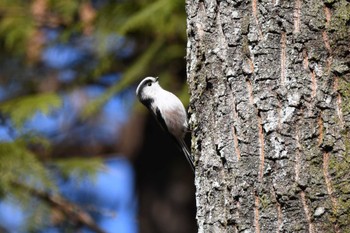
pixel 168 110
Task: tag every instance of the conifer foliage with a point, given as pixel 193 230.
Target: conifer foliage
pixel 154 32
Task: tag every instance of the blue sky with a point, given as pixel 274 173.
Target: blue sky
pixel 112 191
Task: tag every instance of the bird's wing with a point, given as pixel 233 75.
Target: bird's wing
pixel 161 119
pixel 181 143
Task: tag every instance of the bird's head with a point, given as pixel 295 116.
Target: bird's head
pixel 147 89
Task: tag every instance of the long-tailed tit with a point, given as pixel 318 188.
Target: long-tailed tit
pixel 167 109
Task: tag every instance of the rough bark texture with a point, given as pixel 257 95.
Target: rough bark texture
pixel 270 115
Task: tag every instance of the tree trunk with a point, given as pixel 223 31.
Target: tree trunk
pixel 270 114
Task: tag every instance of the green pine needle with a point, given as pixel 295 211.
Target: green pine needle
pixel 22 108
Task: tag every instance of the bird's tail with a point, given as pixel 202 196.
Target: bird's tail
pixel 187 153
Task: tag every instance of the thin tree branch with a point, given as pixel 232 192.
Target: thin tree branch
pixel 71 210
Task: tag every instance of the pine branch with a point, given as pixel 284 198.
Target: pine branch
pixel 22 108
pixel 69 209
pixel 130 76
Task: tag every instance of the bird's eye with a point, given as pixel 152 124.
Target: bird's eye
pixel 149 84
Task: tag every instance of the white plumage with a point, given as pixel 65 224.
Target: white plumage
pixel 168 110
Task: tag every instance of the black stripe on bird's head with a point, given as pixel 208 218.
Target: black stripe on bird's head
pixel 144 90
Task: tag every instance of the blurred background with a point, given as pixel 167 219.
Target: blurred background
pixel 78 153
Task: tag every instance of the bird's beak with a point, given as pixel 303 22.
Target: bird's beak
pixel 157 79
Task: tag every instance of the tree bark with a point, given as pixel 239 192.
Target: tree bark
pixel 270 115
